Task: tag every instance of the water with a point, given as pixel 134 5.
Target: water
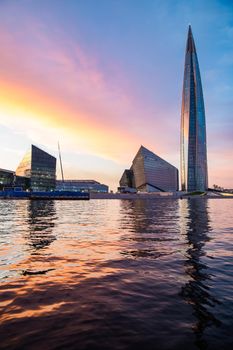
pixel 109 274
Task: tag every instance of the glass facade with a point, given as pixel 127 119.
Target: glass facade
pixel 194 176
pixel 150 173
pixel 6 178
pixel 40 167
pixel 22 182
pixel 81 185
pixel 127 179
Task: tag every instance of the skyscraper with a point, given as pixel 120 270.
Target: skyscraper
pixel 194 175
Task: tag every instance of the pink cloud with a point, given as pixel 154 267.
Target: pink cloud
pixel 68 76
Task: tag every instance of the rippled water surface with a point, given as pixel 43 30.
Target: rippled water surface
pixel 109 274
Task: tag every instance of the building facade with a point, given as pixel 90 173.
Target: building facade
pixel 127 179
pixel 40 167
pixel 81 185
pixel 22 182
pixel 194 175
pixel 150 173
pixel 6 178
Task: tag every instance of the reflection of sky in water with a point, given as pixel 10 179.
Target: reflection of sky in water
pixel 123 272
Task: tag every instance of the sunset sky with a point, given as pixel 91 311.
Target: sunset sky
pixel 105 76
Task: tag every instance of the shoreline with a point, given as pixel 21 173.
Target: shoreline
pixel 160 195
pixel 121 196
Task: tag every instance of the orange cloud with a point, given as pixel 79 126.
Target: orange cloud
pixel 27 108
pixel 52 81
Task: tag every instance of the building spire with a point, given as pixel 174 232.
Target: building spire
pixel 190 47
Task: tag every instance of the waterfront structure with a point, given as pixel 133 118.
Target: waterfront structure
pixel 6 178
pixel 22 182
pixel 40 167
pixel 150 173
pixel 194 176
pixel 80 185
pixel 127 179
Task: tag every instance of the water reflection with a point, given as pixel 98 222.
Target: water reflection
pixel 41 222
pixel 195 225
pixel 116 275
pixel 153 225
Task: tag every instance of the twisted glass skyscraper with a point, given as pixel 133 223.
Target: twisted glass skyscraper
pixel 194 176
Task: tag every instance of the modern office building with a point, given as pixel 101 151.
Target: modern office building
pixel 81 185
pixel 40 167
pixel 22 182
pixel 150 173
pixel 127 179
pixel 194 176
pixel 6 178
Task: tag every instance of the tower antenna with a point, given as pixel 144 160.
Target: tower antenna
pixel 59 151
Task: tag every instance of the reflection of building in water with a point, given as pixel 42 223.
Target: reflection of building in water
pixel 153 227
pixel 41 220
pixel 136 215
pixel 195 227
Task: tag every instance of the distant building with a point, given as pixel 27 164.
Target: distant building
pixel 81 185
pixel 37 172
pixel 150 173
pixel 194 175
pixel 40 167
pixel 6 178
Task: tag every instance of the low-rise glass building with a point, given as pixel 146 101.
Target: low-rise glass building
pixel 6 178
pixel 22 182
pixel 81 185
pixel 40 167
pixel 150 173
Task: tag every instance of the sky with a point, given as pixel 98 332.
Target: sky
pixel 105 77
